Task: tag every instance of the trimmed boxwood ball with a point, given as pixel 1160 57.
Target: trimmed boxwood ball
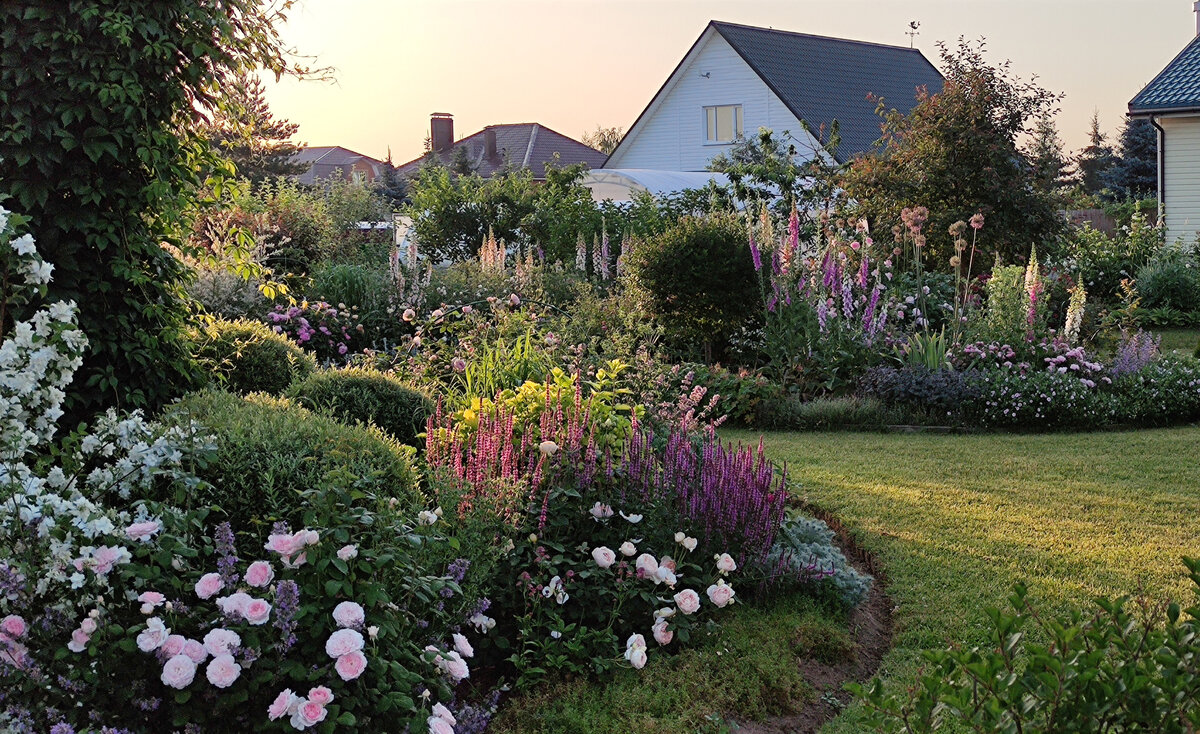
pixel 355 394
pixel 248 357
pixel 269 451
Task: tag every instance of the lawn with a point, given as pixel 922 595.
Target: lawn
pixel 957 519
pixel 1179 340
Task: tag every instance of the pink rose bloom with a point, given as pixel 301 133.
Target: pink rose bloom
pixel 282 705
pixel 178 672
pixel 443 713
pixel 307 713
pixel 662 635
pixel 347 552
pixel 351 665
pixel 286 545
pixel 635 651
pixel 455 666
pixel 603 557
pixel 222 671
pixel 105 557
pixel 349 614
pixel 221 642
pixel 311 537
pixel 438 725
pixel 688 601
pixel 12 627
pixel 257 611
pixel 234 604
pixel 462 646
pixel 88 625
pixel 79 641
pixel 195 651
pixel 321 695
pixel 208 585
pixel 259 574
pixel 173 645
pixel 668 563
pixel 153 637
pixel 725 563
pixel 297 562
pixel 143 531
pixel 343 642
pixel 720 594
pixel 646 565
pixel 151 597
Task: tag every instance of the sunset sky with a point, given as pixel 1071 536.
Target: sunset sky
pixel 574 64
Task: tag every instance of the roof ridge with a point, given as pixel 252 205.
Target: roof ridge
pixel 720 23
pixel 1163 72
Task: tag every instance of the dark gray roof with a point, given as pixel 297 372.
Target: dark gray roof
pixel 822 79
pixel 1176 88
pixel 329 161
pixel 519 145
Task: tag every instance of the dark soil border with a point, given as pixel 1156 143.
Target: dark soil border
pixel 871 627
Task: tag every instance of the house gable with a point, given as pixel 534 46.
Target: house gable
pixel 670 134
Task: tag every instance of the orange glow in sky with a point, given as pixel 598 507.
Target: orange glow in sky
pixel 574 64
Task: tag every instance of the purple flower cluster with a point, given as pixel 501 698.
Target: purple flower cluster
pixel 287 602
pixel 1134 352
pixel 328 330
pixel 226 558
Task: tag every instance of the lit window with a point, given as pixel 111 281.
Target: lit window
pixel 724 123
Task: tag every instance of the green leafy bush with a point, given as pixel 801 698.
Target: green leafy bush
pixel 1117 669
pixel 698 279
pixel 1170 281
pixel 1164 392
pixel 356 394
pixel 247 356
pixel 1105 261
pixel 365 289
pixel 96 146
pixel 227 295
pixel 270 452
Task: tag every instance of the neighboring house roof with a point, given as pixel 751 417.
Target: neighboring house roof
pixel 519 145
pixel 1176 88
pixel 821 79
pixel 325 161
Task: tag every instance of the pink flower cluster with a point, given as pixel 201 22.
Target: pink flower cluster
pixel 452 662
pixel 12 629
pixel 291 547
pixel 345 647
pixel 304 712
pixel 185 655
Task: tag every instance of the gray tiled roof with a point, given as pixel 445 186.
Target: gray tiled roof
pixel 325 161
pixel 1177 87
pixel 822 79
pixel 520 145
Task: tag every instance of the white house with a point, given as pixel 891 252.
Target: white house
pixel 736 79
pixel 1172 102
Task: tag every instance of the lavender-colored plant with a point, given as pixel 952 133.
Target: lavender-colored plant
pixel 1135 351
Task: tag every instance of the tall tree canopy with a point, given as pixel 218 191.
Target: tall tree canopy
pixel 99 144
pixel 244 130
pixel 1051 168
pixel 603 139
pixel 956 153
pixel 1095 159
pixel 1134 174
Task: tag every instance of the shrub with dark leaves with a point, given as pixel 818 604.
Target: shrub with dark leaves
pixel 941 392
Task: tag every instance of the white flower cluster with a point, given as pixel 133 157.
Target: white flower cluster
pixel 40 356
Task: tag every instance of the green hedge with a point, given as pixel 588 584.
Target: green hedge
pixel 355 394
pixel 246 356
pixel 269 451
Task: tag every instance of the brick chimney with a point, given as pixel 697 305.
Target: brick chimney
pixel 441 131
pixel 489 143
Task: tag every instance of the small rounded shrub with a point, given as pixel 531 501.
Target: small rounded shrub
pixel 270 451
pixel 1170 282
pixel 699 281
pixel 248 357
pixel 357 394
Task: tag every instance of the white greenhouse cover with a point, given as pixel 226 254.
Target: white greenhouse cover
pixel 620 184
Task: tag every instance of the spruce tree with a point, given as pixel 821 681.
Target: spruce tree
pixel 1095 159
pixel 1134 175
pixel 247 133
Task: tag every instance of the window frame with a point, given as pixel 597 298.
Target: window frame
pixel 739 122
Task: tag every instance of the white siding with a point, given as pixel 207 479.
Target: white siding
pixel 1182 163
pixel 671 134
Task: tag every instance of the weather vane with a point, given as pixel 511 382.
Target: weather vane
pixel 912 31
